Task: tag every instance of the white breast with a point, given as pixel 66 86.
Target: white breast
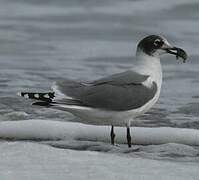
pixel 148 65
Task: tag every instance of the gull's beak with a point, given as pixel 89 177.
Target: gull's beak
pixel 178 52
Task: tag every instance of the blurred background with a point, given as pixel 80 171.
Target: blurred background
pixel 45 40
pixel 42 41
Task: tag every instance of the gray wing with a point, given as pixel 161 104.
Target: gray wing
pixel 128 77
pixel 124 91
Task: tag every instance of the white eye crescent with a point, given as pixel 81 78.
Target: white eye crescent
pixel 157 42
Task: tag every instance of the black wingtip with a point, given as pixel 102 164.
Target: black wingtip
pixel 42 103
pixel 38 96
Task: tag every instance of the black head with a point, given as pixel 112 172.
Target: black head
pixel 154 45
pixel 151 44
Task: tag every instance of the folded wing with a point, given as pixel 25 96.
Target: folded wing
pixel 119 92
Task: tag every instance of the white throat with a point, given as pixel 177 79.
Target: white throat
pixel 149 65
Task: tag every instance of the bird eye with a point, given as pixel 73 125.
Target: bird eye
pixel 158 43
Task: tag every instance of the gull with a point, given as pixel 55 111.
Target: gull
pixel 118 99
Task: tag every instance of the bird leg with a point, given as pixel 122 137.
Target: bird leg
pixel 112 135
pixel 128 136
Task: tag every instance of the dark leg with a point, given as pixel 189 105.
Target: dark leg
pixel 128 137
pixel 112 135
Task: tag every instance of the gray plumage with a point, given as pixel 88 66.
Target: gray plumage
pixel 119 92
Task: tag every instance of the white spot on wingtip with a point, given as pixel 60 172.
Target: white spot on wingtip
pixel 46 96
pixel 19 94
pixel 26 96
pixel 36 95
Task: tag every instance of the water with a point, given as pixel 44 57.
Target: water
pixel 42 41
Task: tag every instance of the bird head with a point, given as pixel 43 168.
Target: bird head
pixel 156 46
